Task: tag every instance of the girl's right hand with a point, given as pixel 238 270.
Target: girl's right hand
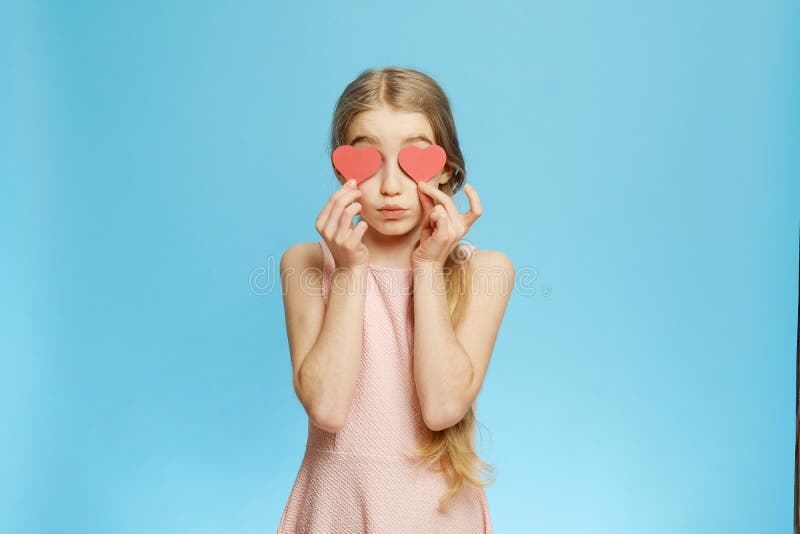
pixel 335 225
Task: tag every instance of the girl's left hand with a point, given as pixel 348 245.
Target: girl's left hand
pixel 442 225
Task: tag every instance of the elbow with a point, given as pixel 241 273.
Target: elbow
pixel 325 419
pixel 328 425
pixel 320 418
pixel 439 419
pixel 326 422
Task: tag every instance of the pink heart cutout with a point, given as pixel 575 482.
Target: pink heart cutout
pixel 356 164
pixel 422 164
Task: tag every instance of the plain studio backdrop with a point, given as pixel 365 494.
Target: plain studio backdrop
pixel 637 161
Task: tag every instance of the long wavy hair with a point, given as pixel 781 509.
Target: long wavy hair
pixel 451 450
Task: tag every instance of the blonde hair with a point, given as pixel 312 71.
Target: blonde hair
pixel 451 450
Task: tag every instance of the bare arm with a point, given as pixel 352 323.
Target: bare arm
pixel 325 343
pixel 328 374
pixel 450 361
pixel 442 369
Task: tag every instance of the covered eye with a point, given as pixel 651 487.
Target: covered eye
pixel 356 163
pixel 422 164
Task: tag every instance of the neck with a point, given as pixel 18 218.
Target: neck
pixel 391 250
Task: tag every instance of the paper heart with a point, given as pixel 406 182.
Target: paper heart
pixel 422 164
pixel 356 164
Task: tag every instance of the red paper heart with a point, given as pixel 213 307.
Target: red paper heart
pixel 422 164
pixel 356 164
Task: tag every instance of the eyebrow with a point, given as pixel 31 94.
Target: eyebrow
pixel 418 137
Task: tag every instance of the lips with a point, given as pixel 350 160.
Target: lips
pixel 392 213
pixel 391 207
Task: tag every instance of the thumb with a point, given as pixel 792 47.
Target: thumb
pixel 426 218
pixel 426 201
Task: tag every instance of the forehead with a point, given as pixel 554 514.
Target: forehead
pixel 388 126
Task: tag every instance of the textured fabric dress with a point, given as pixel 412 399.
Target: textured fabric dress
pixel 362 478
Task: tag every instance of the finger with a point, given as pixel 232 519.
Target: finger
pixel 475 208
pixel 440 197
pixel 339 205
pixel 439 217
pixel 425 233
pixel 456 224
pixel 322 218
pixel 346 221
pixel 427 206
pixel 357 234
pixel 426 213
pixel 426 201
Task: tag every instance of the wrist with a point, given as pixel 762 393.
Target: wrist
pixel 350 273
pixel 428 268
pixel 425 263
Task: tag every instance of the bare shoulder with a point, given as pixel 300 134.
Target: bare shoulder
pixel 301 274
pixel 493 265
pixel 301 256
pixel 492 258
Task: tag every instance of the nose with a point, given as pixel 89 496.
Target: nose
pixel 392 178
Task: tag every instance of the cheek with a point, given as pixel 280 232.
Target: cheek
pixel 368 196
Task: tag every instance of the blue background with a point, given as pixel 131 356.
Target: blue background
pixel 638 161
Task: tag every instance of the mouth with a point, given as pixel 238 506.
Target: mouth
pixel 392 213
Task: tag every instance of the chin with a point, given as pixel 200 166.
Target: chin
pixel 394 227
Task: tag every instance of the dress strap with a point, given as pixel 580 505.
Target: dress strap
pixel 327 258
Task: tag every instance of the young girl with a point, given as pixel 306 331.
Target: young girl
pixel 390 345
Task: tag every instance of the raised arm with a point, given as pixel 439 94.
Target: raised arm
pixel 325 344
pixel 450 361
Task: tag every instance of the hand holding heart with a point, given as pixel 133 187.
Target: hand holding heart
pixel 442 225
pixel 335 225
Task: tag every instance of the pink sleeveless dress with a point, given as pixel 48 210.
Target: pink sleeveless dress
pixel 362 478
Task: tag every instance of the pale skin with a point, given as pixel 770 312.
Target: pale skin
pixel 450 361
